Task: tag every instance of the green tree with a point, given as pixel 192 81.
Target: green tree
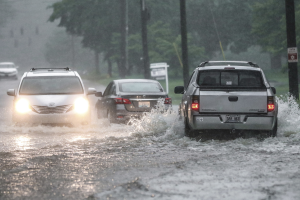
pixel 90 19
pixel 232 19
pixel 269 29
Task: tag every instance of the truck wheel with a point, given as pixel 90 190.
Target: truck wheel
pixel 187 129
pixel 273 132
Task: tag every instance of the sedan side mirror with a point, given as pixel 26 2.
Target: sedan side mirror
pixel 273 90
pixel 11 92
pixel 179 90
pixel 91 91
pixel 98 94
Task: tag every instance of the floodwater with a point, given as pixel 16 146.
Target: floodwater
pixel 148 159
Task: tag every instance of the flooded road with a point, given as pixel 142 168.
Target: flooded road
pixel 149 159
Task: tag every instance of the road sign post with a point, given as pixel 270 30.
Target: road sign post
pixel 159 71
pixel 292 55
pixel 292 50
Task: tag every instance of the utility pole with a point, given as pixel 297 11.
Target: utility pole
pixel 126 37
pixel 144 17
pixel 184 45
pixel 122 66
pixel 292 48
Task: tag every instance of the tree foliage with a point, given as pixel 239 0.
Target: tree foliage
pixel 269 25
pixel 98 22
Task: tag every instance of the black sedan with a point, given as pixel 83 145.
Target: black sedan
pixel 126 98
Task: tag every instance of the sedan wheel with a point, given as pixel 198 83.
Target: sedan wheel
pixel 110 116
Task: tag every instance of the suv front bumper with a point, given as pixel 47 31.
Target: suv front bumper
pixel 70 118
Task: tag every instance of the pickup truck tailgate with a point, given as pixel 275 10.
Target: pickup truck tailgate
pixel 233 102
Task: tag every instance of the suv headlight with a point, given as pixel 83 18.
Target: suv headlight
pixel 81 105
pixel 22 106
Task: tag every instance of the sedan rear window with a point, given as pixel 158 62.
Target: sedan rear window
pixel 50 85
pixel 145 87
pixel 230 78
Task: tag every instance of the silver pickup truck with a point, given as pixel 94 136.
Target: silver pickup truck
pixel 228 95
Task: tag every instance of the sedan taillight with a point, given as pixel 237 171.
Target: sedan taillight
pixel 271 104
pixel 122 101
pixel 168 101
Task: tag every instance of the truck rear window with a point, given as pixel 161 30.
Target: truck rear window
pixel 231 79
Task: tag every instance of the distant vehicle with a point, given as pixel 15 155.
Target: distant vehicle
pixel 8 70
pixel 51 96
pixel 231 95
pixel 126 98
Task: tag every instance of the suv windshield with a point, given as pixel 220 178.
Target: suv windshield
pixel 231 78
pixel 147 87
pixel 51 85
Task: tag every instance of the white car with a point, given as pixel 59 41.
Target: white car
pixel 8 70
pixel 51 96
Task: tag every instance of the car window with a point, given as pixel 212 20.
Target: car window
pixel 236 78
pixel 190 79
pixel 112 90
pixel 50 85
pixel 144 87
pixel 106 92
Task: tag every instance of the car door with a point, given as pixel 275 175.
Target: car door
pixel 110 99
pixel 103 101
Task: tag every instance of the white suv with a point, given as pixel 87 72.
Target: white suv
pixel 51 96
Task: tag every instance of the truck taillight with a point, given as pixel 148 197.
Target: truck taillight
pixel 271 104
pixel 122 101
pixel 195 103
pixel 168 101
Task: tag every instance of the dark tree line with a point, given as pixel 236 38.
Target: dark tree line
pixel 240 24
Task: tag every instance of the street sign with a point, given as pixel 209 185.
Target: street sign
pixel 159 71
pixel 292 54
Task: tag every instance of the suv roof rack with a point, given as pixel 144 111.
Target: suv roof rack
pixel 203 64
pixel 49 69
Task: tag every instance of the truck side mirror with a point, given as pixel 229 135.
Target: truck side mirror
pixel 179 90
pixel 273 90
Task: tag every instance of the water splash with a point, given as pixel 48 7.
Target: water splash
pixel 288 116
pixel 159 122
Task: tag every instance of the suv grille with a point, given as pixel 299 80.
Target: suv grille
pixel 52 110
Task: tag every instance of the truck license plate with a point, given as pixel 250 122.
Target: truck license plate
pixel 233 118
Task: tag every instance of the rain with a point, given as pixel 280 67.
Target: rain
pixel 148 157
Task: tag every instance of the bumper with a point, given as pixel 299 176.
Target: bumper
pixel 251 122
pixel 122 115
pixel 71 118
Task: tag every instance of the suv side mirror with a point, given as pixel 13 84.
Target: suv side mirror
pixel 98 94
pixel 273 90
pixel 11 92
pixel 179 90
pixel 91 91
